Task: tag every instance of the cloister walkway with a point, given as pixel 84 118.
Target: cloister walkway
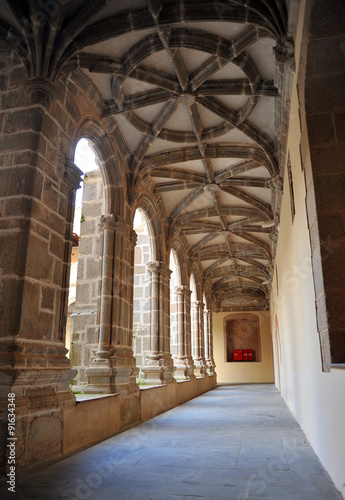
pixel 235 442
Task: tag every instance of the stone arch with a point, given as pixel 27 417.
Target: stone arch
pixel 174 257
pixel 85 315
pixel 113 179
pixel 144 253
pixel 180 252
pixel 155 226
pixel 193 288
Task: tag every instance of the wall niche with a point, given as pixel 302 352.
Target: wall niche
pixel 242 331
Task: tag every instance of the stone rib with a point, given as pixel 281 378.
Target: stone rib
pixel 137 101
pixel 186 202
pixel 237 87
pixel 248 198
pixel 212 212
pixel 175 186
pixel 246 181
pixel 232 170
pixel 187 175
pixel 157 125
pixel 219 150
pixel 202 243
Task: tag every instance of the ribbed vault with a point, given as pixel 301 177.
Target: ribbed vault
pixel 192 87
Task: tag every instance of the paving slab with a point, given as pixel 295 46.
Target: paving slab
pixel 233 443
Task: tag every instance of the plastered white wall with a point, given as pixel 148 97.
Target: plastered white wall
pixel 244 372
pixel 317 399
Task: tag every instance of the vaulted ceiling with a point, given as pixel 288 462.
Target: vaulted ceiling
pixel 193 86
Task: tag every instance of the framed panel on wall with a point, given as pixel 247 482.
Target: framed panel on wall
pixel 242 338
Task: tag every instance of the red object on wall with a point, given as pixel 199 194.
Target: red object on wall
pixel 238 355
pixel 243 355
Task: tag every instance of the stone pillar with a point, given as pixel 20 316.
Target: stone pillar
pixel 183 361
pixel 198 338
pixel 112 369
pixel 159 367
pixel 104 347
pixel 208 333
pixel 37 207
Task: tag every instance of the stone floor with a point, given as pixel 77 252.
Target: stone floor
pixel 235 442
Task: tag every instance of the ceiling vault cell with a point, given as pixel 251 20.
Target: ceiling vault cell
pixel 191 97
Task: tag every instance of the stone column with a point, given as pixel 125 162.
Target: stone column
pixel 198 338
pixel 100 375
pixel 159 367
pixel 112 369
pixel 107 224
pixel 183 361
pixel 209 342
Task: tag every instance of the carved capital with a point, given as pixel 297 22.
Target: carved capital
pixel 107 222
pixel 40 91
pixel 182 290
pixel 284 51
pixel 198 304
pixel 276 182
pixel 117 223
pixel 154 266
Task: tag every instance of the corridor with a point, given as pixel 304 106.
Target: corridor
pixel 235 442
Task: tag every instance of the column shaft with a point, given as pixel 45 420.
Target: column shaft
pixel 112 369
pixel 158 363
pixel 183 361
pixel 209 342
pixel 198 337
pixel 108 227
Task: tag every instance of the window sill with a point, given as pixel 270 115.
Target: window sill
pixel 339 366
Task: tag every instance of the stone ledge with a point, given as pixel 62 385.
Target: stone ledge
pixel 86 397
pixel 90 421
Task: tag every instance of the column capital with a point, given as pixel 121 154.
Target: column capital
pixel 117 223
pixel 72 174
pixel 182 290
pixel 159 268
pixel 284 50
pixel 155 266
pixel 107 222
pixel 198 303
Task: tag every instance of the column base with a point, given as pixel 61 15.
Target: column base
pixel 200 369
pixel 184 369
pixel 210 367
pixel 38 373
pixel 116 375
pixel 155 374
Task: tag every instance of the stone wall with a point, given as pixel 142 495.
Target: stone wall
pixel 38 183
pixel 322 97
